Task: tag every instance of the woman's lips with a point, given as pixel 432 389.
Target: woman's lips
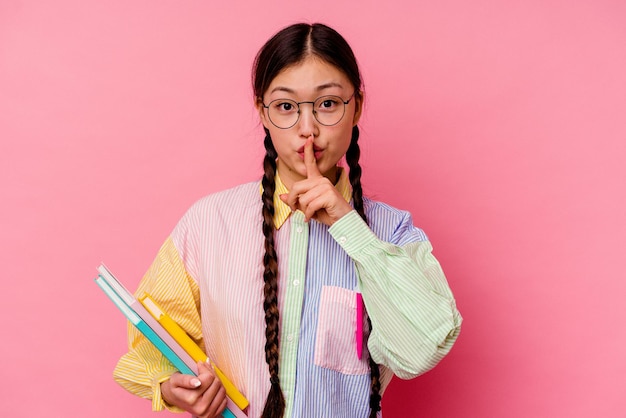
pixel 317 151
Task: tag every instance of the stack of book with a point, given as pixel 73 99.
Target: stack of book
pixel 167 336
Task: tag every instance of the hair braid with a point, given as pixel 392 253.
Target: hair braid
pixel 352 158
pixel 275 403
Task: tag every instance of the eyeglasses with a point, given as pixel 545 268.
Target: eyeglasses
pixel 327 110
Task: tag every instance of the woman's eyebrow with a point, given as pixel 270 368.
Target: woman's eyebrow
pixel 285 89
pixel 318 88
pixel 329 85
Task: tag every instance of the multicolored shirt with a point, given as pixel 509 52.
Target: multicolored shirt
pixel 208 276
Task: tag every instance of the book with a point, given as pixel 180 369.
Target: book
pixel 139 309
pixel 153 331
pixel 190 346
pixel 142 326
pixel 172 334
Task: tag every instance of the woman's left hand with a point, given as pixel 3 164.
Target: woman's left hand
pixel 316 196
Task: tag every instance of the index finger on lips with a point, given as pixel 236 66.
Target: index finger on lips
pixel 309 159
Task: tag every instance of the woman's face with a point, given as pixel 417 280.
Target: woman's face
pixel 305 82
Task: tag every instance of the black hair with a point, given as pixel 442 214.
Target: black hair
pixel 288 47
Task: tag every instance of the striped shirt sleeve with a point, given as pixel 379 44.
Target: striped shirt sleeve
pixel 414 317
pixel 143 368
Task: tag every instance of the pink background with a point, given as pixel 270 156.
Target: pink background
pixel 499 125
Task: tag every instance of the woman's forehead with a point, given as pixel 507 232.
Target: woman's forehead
pixel 311 76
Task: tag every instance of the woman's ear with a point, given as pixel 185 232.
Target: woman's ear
pixel 261 109
pixel 358 107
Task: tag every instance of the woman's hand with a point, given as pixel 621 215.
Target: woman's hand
pixel 203 395
pixel 316 196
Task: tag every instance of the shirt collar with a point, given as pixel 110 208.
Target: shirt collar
pixel 282 210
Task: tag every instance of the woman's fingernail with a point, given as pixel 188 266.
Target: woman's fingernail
pixel 196 382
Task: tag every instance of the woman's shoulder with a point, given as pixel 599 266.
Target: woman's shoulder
pixel 386 220
pixel 211 218
pixel 377 208
pixel 231 201
pixel 242 191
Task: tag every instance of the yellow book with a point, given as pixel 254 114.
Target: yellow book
pixel 191 347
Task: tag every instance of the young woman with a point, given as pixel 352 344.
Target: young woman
pixel 268 276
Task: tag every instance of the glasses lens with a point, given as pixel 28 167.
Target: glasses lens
pixel 329 110
pixel 283 113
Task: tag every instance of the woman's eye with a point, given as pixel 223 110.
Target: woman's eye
pixel 284 106
pixel 328 104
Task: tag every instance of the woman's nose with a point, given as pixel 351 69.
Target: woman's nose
pixel 307 122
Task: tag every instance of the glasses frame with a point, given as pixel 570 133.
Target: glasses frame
pixel 345 103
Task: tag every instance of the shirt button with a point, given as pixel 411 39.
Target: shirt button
pixel 342 240
pixel 299 229
pixel 290 338
pixel 296 282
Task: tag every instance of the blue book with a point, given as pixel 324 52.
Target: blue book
pixel 143 327
pixel 148 332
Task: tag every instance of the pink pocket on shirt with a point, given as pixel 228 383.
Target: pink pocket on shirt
pixel 335 344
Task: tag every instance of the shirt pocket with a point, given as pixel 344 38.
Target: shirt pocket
pixel 335 343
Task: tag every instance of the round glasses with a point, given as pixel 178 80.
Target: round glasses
pixel 327 110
